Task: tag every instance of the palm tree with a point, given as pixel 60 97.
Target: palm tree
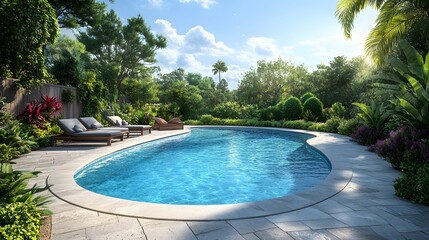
pixel 219 67
pixel 396 19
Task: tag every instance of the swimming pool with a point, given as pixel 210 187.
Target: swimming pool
pixel 209 166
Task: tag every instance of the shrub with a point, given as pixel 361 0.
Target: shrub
pixel 19 221
pixel 413 183
pixel 227 110
pixel 206 119
pixel 193 122
pixel 318 127
pixel 338 110
pixel 332 125
pixel 367 135
pixel 270 113
pixel 297 124
pixel 404 145
pixel 14 135
pixel 306 96
pixel 292 108
pixel 347 127
pixel 217 121
pixel 7 153
pixel 314 107
pixel 249 112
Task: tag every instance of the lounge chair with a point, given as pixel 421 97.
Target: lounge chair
pixel 119 122
pixel 173 124
pixel 92 124
pixel 75 131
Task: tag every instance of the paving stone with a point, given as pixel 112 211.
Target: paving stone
pixel 292 226
pixel 125 229
pixel 214 230
pixel 356 233
pixel 398 222
pixel 273 234
pixel 81 223
pixel 387 231
pixel 251 225
pixel 250 236
pixel 416 236
pixel 75 235
pixel 169 230
pixel 303 214
pixel 311 235
pixel 359 218
pixel 331 206
pixel 324 224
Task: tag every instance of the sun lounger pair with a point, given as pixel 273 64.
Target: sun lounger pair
pixel 118 122
pixel 74 130
pixel 89 129
pixel 173 124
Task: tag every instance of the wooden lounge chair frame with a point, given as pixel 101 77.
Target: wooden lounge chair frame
pixel 85 136
pixel 161 124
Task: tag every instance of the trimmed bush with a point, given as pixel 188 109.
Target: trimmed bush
pixel 306 96
pixel 338 110
pixel 413 183
pixel 297 124
pixel 292 109
pixel 193 122
pixel 206 118
pixel 314 107
pixel 19 221
pixel 321 127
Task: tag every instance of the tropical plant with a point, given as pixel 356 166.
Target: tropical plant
pixel 396 19
pixel 373 115
pixel 14 135
pixel 410 81
pixel 39 113
pixel 13 188
pixel 8 153
pixel 219 67
pixel 313 108
pixel 67 96
pixel 338 110
pixel 292 108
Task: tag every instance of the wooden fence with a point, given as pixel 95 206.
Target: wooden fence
pixel 16 98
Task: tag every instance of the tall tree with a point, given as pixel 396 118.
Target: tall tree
pixel 26 26
pixel 219 67
pixel 396 19
pixel 270 82
pixel 65 60
pixel 121 51
pixel 82 13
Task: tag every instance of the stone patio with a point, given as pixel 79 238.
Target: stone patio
pixel 366 208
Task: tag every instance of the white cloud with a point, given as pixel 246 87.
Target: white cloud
pixel 203 3
pixel 263 46
pixel 156 3
pixel 199 41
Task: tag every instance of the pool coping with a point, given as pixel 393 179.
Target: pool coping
pixel 63 186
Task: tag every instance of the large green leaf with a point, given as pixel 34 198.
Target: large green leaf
pixel 414 60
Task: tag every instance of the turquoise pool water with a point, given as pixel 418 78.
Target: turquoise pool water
pixel 209 166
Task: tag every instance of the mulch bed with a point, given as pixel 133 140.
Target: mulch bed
pixel 46 228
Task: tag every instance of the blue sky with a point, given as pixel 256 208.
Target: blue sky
pixel 241 32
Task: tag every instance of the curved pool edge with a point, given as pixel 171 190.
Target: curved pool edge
pixel 333 146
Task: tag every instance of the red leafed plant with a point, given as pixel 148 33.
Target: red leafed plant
pixel 39 113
